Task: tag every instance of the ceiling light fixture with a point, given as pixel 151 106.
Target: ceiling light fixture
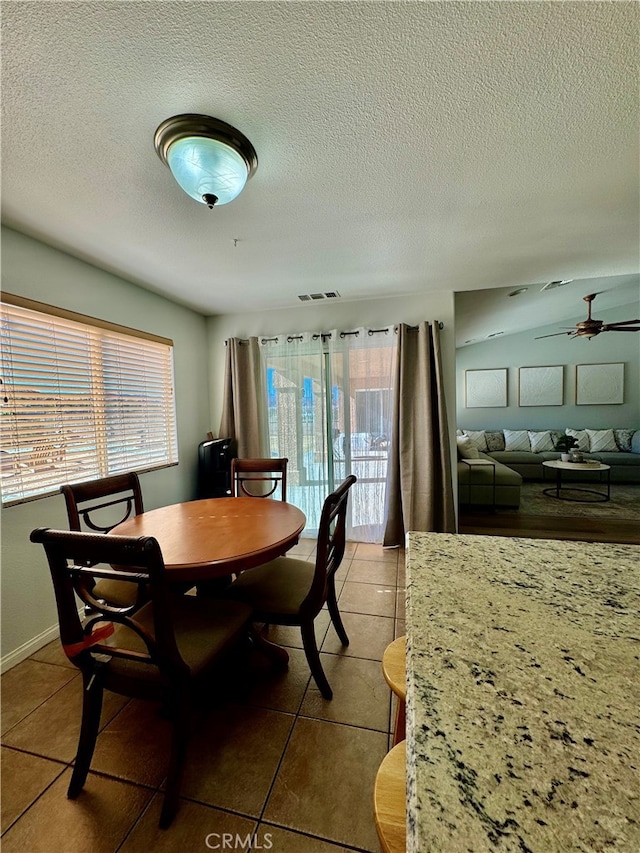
pixel 211 160
pixel 519 291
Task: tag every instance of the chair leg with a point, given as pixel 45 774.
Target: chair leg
pixel 400 722
pixel 313 659
pixel 91 710
pixel 179 739
pixel 332 606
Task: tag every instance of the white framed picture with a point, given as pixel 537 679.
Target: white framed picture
pixel 485 388
pixel 600 384
pixel 541 386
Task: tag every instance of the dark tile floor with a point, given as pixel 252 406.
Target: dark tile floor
pixel 272 759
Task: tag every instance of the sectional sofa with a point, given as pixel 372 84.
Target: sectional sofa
pixel 519 454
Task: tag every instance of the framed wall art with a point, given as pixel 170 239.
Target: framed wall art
pixel 541 386
pixel 485 388
pixel 600 384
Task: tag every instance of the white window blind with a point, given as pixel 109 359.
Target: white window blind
pixel 80 399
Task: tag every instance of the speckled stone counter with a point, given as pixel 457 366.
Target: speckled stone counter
pixel 523 699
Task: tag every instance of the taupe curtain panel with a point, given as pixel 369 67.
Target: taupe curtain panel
pixel 242 408
pixel 419 494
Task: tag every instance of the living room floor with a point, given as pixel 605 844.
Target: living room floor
pixel 556 526
pixel 273 758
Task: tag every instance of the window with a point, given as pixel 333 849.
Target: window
pixel 80 399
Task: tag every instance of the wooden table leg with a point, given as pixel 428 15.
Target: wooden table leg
pixel 274 652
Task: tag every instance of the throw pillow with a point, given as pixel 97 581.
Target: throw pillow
pixel 602 441
pixel 555 435
pixel 495 441
pixel 540 441
pixel 516 439
pixel 623 439
pixel 477 437
pixel 582 438
pixel 466 448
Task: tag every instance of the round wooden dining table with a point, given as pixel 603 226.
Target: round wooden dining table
pixel 208 539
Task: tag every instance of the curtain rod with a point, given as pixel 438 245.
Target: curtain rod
pixel 327 335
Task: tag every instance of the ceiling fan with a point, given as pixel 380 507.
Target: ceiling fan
pixel 590 328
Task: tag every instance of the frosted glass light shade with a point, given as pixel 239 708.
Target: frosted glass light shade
pixel 210 159
pixel 206 166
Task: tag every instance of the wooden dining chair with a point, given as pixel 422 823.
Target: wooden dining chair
pixel 258 478
pixel 98 506
pixel 160 652
pixel 289 591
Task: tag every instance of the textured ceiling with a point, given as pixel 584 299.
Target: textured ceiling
pixel 403 147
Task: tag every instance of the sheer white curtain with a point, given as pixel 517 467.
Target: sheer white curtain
pixel 329 400
pixel 293 367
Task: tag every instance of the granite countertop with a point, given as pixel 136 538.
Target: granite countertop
pixel 523 695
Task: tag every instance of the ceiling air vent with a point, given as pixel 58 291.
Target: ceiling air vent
pixel 559 283
pixel 329 294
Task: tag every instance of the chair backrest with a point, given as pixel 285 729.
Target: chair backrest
pixel 76 559
pixel 258 478
pixel 331 542
pixel 122 491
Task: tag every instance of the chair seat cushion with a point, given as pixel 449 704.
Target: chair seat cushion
pixel 205 628
pixel 117 593
pixel 277 588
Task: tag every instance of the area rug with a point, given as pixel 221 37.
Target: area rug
pixel 624 503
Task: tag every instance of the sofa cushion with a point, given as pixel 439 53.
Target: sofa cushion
pixel 477 437
pixel 616 458
pixel 516 439
pixel 601 441
pixel 523 457
pixel 581 437
pixel 540 441
pixel 623 439
pixel 495 440
pixel 466 448
pixel 483 475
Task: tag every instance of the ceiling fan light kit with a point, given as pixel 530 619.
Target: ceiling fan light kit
pixel 210 159
pixel 589 328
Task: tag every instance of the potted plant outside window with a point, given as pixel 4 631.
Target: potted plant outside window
pixel 563 446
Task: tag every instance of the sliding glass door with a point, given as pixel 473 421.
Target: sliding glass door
pixel 329 403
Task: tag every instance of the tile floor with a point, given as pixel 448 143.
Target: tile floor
pixel 272 759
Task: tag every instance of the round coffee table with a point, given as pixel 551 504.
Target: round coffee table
pixel 592 495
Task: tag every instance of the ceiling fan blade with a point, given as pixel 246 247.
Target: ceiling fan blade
pixel 622 323
pixel 555 334
pixel 613 328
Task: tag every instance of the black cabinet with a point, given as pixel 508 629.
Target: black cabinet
pixel 214 468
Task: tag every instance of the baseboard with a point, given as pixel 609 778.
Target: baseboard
pixel 27 649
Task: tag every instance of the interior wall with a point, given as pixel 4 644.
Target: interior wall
pixel 522 350
pixel 37 271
